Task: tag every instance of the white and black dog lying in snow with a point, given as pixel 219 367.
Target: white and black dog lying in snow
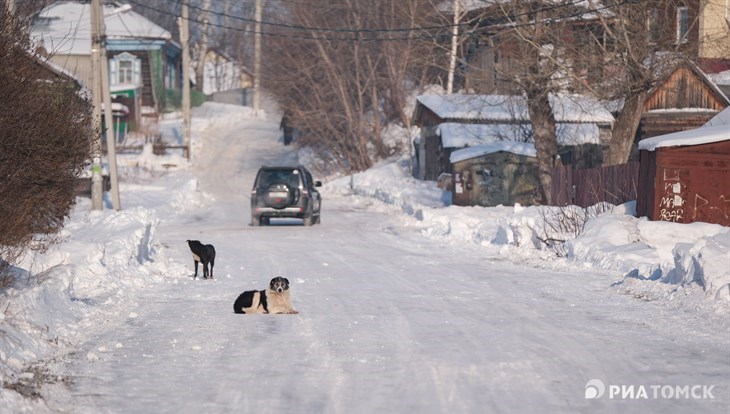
pixel 274 299
pixel 205 254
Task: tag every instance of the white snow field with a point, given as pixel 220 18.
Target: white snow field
pixel 406 305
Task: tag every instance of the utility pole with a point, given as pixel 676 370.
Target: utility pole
pixel 100 92
pixel 257 55
pixel 96 177
pixel 452 52
pixel 111 136
pixel 185 40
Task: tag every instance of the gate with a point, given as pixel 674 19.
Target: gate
pixel 615 184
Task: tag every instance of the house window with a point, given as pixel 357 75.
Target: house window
pixel 652 26
pixel 125 69
pixel 682 24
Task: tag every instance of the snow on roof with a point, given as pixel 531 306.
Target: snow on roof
pixel 66 27
pixel 117 107
pixel 456 135
pixel 697 136
pixel 710 81
pixel 45 61
pixel 518 148
pixel 723 118
pixel 722 78
pixel 466 5
pixel 566 108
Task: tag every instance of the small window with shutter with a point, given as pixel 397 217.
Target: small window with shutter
pixel 125 69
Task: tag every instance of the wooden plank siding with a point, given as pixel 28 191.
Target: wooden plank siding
pixel 684 89
pixel 661 123
pixel 686 99
pixel 615 184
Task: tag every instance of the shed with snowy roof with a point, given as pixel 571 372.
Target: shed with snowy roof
pixel 685 176
pixel 452 122
pixel 497 173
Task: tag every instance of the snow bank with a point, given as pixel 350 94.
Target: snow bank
pixel 672 253
pixel 652 259
pixel 102 260
pixel 391 184
pixel 58 295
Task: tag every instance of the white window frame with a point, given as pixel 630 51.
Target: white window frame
pixel 652 26
pixel 682 14
pixel 115 69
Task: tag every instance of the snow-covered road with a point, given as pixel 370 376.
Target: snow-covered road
pixel 390 321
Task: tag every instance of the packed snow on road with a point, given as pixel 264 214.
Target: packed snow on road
pixel 406 303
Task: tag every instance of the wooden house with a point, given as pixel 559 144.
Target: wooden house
pixel 452 122
pixel 491 55
pixel 144 61
pixel 685 176
pixel 223 73
pixel 687 99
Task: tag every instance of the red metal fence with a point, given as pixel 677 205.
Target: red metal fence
pixel 615 184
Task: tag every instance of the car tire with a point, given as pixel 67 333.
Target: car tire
pixel 308 217
pixel 279 203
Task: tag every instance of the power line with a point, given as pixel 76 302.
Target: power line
pixel 307 36
pixel 321 29
pixel 358 33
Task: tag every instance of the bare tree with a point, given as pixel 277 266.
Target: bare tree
pixel 530 38
pixel 345 76
pixel 45 141
pixel 638 44
pixel 615 51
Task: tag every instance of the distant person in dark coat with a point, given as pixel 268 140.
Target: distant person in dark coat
pixel 287 128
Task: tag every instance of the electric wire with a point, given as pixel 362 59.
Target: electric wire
pixel 357 35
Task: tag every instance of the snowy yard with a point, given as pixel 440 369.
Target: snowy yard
pixel 406 305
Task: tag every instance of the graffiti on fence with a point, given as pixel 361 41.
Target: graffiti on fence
pixel 671 204
pixel 722 207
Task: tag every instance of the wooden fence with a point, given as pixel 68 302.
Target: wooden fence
pixel 615 184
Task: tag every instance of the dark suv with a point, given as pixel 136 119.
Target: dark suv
pixel 285 192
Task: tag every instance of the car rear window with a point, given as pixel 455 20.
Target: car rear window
pixel 286 176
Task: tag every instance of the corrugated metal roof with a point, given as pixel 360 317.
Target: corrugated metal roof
pixel 456 135
pixel 503 108
pixel 517 148
pixel 65 27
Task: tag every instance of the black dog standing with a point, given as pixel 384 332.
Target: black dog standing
pixel 205 254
